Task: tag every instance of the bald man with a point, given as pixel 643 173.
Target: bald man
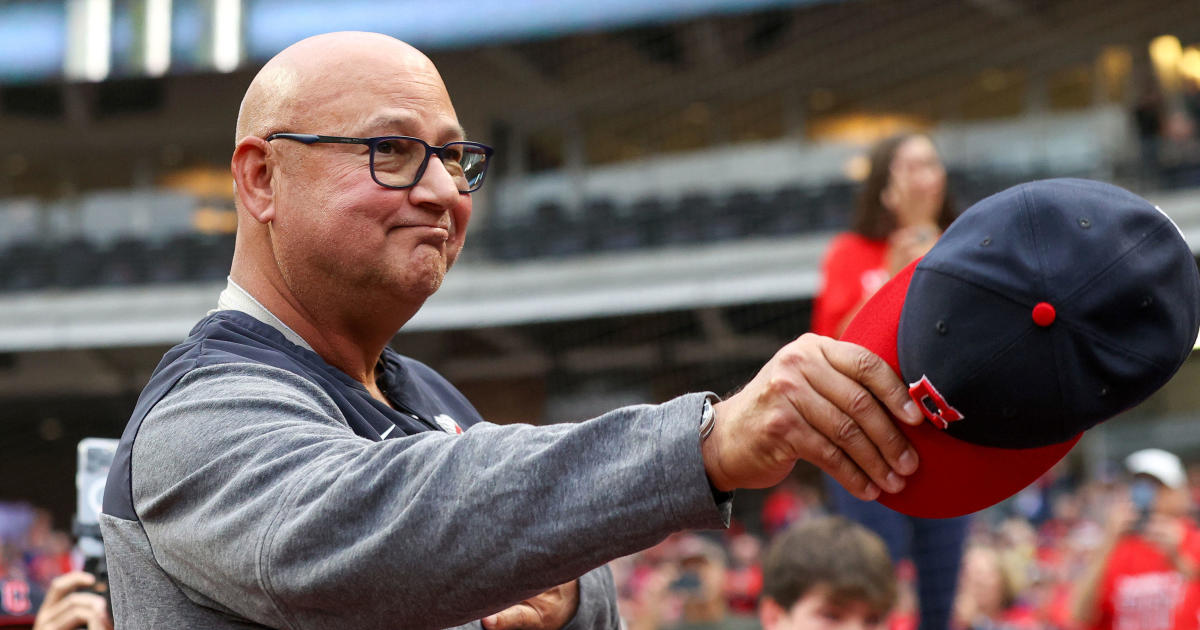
pixel 284 468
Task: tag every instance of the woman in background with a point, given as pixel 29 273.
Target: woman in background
pixel 902 210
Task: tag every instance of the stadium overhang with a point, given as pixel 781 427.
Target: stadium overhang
pixel 272 25
pixel 41 40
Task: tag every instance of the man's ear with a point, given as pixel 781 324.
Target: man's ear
pixel 770 614
pixel 252 172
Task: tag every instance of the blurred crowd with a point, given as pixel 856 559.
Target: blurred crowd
pixel 32 554
pixel 1023 564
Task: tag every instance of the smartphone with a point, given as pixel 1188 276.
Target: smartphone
pixel 1142 492
pixel 687 582
pixel 95 457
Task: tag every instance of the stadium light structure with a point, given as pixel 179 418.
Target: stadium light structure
pixel 157 57
pixel 1189 63
pixel 227 34
pixel 89 25
pixel 1165 53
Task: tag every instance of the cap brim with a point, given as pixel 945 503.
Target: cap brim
pixel 954 477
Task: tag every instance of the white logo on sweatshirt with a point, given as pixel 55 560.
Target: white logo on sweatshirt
pixel 448 424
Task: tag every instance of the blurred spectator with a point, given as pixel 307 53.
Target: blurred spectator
pixel 1148 120
pixel 1142 576
pixel 47 551
pixel 1191 99
pixel 38 587
pixel 902 209
pixel 827 573
pixel 1017 574
pixel 743 580
pixel 1179 151
pixel 904 614
pixel 688 593
pixel 787 503
pixel 1167 130
pixel 69 606
pixel 988 593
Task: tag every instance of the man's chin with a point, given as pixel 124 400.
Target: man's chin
pixel 424 283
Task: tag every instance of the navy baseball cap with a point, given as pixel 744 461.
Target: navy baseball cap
pixel 1042 311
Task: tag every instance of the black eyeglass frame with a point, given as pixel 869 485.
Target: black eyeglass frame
pixel 372 143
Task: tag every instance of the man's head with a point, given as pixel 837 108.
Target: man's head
pixel 312 222
pixel 827 573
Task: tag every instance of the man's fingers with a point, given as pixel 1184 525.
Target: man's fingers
pixel 864 428
pixel 75 610
pixel 865 367
pixel 512 618
pixel 840 444
pixel 834 461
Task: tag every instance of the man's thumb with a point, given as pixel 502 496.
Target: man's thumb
pixel 513 618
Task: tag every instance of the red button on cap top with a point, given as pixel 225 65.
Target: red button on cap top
pixel 1043 314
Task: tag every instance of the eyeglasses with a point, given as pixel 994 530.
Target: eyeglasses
pixel 400 161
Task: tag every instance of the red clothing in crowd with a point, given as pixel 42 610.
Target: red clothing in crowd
pixel 743 585
pixel 855 267
pixel 1141 590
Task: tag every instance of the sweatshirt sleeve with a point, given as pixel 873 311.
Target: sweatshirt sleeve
pixel 597 602
pixel 256 495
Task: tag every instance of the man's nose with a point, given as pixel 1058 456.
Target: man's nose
pixel 437 186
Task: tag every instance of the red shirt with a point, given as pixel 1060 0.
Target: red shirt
pixel 854 268
pixel 1141 590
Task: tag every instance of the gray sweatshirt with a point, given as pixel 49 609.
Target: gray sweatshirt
pixel 258 506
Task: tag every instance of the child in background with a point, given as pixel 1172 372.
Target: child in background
pixel 827 573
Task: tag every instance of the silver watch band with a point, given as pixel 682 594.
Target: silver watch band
pixel 707 419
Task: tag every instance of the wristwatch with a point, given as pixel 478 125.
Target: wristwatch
pixel 707 419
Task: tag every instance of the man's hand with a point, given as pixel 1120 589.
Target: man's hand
pixel 549 611
pixel 66 609
pixel 818 400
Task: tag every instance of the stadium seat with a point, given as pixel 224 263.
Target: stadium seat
pixel 123 262
pixel 726 219
pixel 211 257
pixel 76 263
pixel 557 234
pixel 26 266
pixel 609 229
pixel 166 260
pixel 507 238
pixel 748 212
pixel 646 217
pixel 792 210
pixel 683 224
pixel 837 205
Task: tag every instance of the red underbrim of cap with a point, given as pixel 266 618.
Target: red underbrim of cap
pixel 954 477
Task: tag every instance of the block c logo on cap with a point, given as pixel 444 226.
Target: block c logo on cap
pixel 932 404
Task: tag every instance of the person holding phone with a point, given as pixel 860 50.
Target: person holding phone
pixel 902 209
pixel 70 604
pixel 1143 576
